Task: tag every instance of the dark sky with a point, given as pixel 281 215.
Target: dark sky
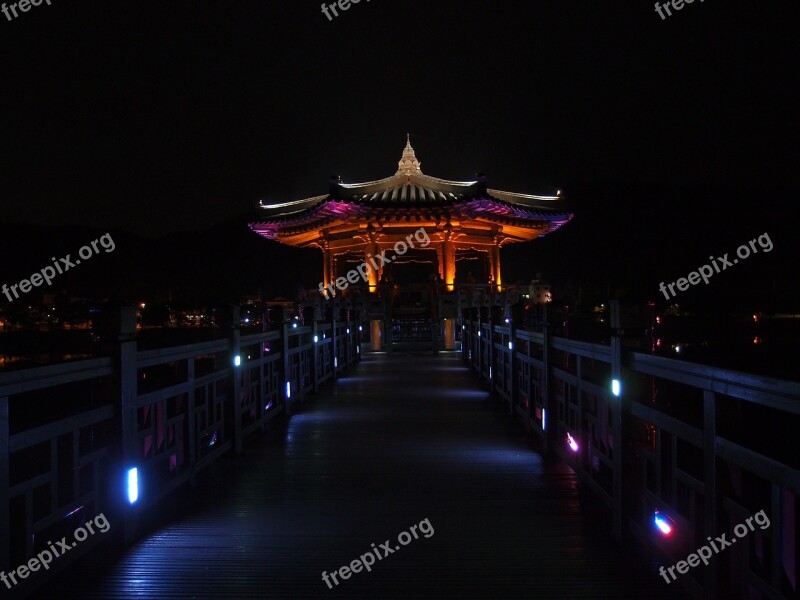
pixel 157 117
pixel 672 139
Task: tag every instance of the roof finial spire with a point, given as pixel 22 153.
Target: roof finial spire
pixel 409 164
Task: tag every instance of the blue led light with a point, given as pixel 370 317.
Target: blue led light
pixel 662 524
pixel 133 485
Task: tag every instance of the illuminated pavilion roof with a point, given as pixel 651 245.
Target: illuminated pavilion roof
pixel 410 196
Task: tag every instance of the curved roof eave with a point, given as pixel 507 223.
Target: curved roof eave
pixel 296 206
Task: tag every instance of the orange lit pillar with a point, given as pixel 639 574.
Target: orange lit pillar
pixel 449 334
pixel 326 264
pixel 373 277
pixel 495 260
pixel 376 334
pixel 334 268
pixel 449 276
pixel 448 260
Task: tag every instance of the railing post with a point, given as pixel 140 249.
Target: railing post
pixel 5 499
pixel 479 347
pixel 582 450
pixel 125 359
pixel 459 319
pixel 262 387
pixel 490 350
pixel 388 323
pixel 775 541
pixel 316 348
pixel 191 422
pixel 545 383
pixel 236 372
pixel 619 418
pixel 335 353
pixel 512 370
pixel 286 375
pixel 466 322
pixel 710 483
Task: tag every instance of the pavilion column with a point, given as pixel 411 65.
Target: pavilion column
pixel 326 265
pixel 495 254
pixel 440 260
pixel 333 265
pixel 373 276
pixel 489 263
pixel 448 270
pixel 449 260
pixel 376 328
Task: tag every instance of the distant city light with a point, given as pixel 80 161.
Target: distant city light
pixel 294 325
pixel 616 387
pixel 544 419
pixel 237 360
pixel 288 389
pixel 510 345
pixel 335 362
pixel 316 339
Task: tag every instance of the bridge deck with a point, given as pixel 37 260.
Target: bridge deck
pixel 397 441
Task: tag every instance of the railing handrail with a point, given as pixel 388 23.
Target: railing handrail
pixel 36 378
pixel 775 393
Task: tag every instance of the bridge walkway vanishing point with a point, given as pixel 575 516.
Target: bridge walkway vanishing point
pixel 398 440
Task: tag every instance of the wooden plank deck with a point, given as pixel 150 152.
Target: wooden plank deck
pixel 399 440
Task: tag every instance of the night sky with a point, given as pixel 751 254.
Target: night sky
pixel 671 139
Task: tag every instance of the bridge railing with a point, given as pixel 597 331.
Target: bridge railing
pixel 706 448
pixel 70 434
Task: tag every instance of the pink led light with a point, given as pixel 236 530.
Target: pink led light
pixel 573 445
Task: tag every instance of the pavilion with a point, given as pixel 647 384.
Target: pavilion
pixel 464 219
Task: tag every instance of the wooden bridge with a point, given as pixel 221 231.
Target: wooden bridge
pixel 248 465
